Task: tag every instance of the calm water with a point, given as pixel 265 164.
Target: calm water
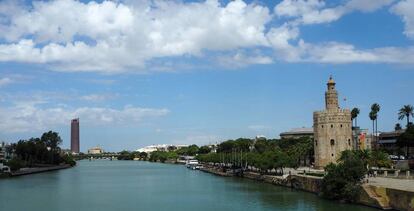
pixel 133 185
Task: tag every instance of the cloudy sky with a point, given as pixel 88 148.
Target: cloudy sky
pixel 140 72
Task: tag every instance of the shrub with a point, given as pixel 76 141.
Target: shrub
pixel 343 180
pixel 15 164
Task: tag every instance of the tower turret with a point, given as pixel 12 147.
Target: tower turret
pixel 331 96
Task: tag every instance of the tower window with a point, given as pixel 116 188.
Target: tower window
pixel 341 125
pixel 332 142
pixel 322 126
pixel 332 154
pixel 316 142
pixel 331 126
pixel 349 142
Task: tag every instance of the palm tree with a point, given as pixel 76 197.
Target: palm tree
pixel 373 117
pixel 354 115
pixel 405 112
pixel 375 108
pixel 397 127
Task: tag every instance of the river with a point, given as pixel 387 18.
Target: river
pixel 134 185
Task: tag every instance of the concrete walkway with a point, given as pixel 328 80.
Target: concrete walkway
pixel 400 184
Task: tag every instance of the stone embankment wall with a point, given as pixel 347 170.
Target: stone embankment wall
pixel 38 170
pixel 373 196
pixel 387 198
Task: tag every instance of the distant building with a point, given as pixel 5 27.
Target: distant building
pixel 74 136
pixel 361 139
pixel 297 133
pixel 3 152
pixel 388 141
pixel 95 150
pixel 160 147
pixel 260 137
pixel 332 129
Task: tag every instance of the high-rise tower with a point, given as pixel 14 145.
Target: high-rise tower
pixel 332 129
pixel 74 136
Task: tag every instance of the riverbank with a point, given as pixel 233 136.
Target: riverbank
pixel 26 171
pixel 384 198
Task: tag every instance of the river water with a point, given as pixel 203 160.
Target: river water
pixel 135 185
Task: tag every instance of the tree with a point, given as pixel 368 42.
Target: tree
pixel 405 112
pixel 373 117
pixel 343 180
pixel 375 108
pixel 354 115
pixel 192 150
pixel 397 127
pixel 143 155
pixel 52 140
pixel 204 150
pixel 379 159
pixel 44 150
pixel 406 139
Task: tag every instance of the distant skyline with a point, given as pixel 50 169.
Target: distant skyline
pixel 138 73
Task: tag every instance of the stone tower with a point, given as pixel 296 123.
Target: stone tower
pixel 332 129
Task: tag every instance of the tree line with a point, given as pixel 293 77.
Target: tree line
pixel 406 139
pixel 38 151
pixel 263 154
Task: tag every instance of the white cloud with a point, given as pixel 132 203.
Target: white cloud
pixel 405 10
pixel 308 11
pixel 242 59
pixel 280 38
pixel 117 36
pixel 97 97
pixel 5 81
pixel 315 11
pixel 341 53
pixel 111 36
pixel 31 116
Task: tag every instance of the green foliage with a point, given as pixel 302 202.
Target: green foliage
pixel 163 156
pixel 191 150
pixel 407 138
pixel 204 150
pixel 265 154
pixel 52 140
pixel 241 144
pixel 343 180
pixel 379 159
pixel 354 114
pixel 405 112
pixel 143 155
pixel 68 159
pixel 397 127
pixel 126 155
pixel 15 164
pixel 44 150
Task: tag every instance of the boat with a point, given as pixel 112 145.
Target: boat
pixel 192 164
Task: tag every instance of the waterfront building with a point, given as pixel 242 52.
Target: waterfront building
pixel 74 136
pixel 332 129
pixel 297 133
pixel 387 141
pixel 361 139
pixel 4 155
pixel 95 150
pixel 2 151
pixel 161 147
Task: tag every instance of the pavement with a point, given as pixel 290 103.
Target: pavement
pixel 400 184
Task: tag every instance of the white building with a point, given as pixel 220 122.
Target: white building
pixel 95 150
pixel 161 147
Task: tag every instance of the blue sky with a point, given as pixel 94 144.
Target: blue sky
pixel 149 72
